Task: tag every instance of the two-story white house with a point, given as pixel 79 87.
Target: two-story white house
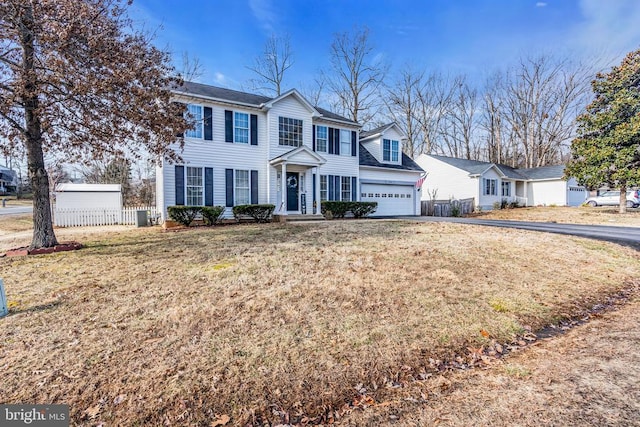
pixel 248 149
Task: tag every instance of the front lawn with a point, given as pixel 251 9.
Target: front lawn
pixel 602 215
pixel 276 321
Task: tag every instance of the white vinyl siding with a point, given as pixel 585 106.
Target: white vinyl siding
pixel 194 112
pixel 242 190
pixel 194 187
pixel 321 139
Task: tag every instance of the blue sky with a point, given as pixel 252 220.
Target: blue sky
pixel 473 37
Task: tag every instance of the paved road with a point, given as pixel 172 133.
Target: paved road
pixel 15 210
pixel 624 235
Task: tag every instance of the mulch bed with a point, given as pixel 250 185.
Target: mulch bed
pixel 61 247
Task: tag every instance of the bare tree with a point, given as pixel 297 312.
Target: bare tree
pixel 356 75
pixel 76 79
pixel 271 66
pixel 191 68
pixel 460 121
pixel 434 103
pixel 403 106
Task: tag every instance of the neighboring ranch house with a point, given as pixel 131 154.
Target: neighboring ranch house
pixel 88 196
pixel 248 149
pixel 489 183
pixel 8 180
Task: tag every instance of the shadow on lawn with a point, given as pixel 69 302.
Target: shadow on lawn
pixel 35 309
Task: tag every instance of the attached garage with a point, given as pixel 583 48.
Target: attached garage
pixel 392 199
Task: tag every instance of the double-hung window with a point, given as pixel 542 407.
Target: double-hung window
pixel 346 188
pixel 490 187
pixel 345 142
pixel 506 188
pixel 323 188
pixel 321 138
pixel 290 131
pixel 195 187
pixel 242 187
pixel 390 150
pixel 241 127
pixel 194 112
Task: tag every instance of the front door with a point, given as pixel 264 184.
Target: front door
pixel 292 191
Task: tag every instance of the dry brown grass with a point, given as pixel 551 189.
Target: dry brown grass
pixel 145 327
pixel 10 224
pixel 588 377
pixel 607 215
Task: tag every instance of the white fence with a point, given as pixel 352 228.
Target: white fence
pixel 83 217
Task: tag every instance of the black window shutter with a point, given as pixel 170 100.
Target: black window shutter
pixel 180 113
pixel 254 187
pixel 314 188
pixel 313 138
pixel 228 126
pixel 354 143
pixel 336 141
pixel 338 188
pixel 354 189
pixel 208 123
pixel 208 186
pixel 179 185
pixel 228 174
pixel 330 133
pixel 330 196
pixel 254 129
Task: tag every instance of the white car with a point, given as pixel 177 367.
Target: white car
pixel 612 198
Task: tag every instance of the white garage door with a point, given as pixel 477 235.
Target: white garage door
pixel 392 199
pixel 576 195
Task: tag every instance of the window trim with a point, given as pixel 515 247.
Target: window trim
pixel 292 130
pixel 199 122
pixel 187 197
pixel 236 128
pixel 236 188
pixel 324 194
pixel 325 139
pixel 489 187
pixel 392 153
pixel 347 191
pixel 505 185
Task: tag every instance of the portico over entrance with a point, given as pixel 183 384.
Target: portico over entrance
pixel 297 189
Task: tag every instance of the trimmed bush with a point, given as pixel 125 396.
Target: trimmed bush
pixel 211 214
pixel 260 213
pixel 363 209
pixel 338 209
pixel 184 214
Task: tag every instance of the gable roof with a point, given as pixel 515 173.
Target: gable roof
pixel 367 159
pixel 249 99
pixel 477 167
pixel 379 130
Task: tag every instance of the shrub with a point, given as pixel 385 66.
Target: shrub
pixel 504 203
pixel 336 208
pixel 212 214
pixel 260 213
pixel 455 209
pixel 496 206
pixel 363 209
pixel 183 214
pixel 514 204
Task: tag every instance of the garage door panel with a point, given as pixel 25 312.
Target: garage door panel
pixel 391 199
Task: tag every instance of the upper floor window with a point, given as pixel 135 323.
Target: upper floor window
pixel 490 187
pixel 390 150
pixel 290 131
pixel 345 142
pixel 194 113
pixel 195 187
pixel 321 138
pixel 241 127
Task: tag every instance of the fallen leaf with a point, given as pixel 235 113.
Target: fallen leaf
pixel 119 399
pixel 92 411
pixel 221 420
pixel 484 333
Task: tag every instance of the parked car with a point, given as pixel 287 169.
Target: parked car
pixel 612 198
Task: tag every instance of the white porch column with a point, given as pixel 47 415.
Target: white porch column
pixel 283 190
pixel 525 194
pixel 317 195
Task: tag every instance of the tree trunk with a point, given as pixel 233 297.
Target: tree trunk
pixel 43 235
pixel 623 199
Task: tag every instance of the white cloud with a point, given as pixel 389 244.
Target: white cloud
pixel 610 26
pixel 541 4
pixel 219 78
pixel 263 11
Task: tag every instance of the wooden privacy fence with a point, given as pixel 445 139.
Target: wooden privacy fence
pixel 447 207
pixel 87 217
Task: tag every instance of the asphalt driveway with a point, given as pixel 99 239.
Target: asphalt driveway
pixel 623 235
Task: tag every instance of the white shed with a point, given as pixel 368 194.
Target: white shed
pixel 88 196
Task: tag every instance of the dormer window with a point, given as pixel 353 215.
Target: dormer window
pixel 390 150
